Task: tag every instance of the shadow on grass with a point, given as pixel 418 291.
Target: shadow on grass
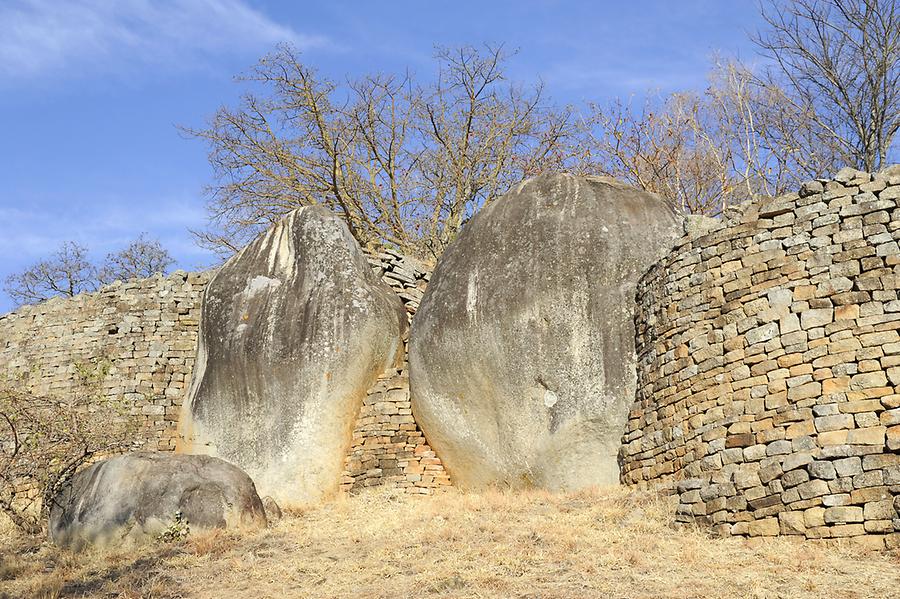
pixel 145 574
pixel 50 573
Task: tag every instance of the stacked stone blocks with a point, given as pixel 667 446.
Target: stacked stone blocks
pixel 141 333
pixel 407 276
pixel 388 446
pixel 769 367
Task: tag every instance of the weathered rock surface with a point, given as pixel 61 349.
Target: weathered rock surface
pixel 295 328
pixel 522 353
pixel 134 497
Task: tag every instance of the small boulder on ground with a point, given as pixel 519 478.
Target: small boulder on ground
pixel 136 497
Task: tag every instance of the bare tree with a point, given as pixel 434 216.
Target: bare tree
pixel 45 439
pixel 404 163
pixel 143 257
pixel 67 273
pixel 838 63
pixel 705 151
pixel 407 163
pixel 479 137
pixel 668 146
pixel 773 146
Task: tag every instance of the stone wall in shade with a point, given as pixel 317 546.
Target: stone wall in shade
pixel 769 367
pixel 388 447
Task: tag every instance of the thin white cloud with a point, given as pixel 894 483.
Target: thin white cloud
pixel 619 80
pixel 105 224
pixel 38 37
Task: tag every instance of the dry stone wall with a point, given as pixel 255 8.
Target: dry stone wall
pixel 407 276
pixel 141 333
pixel 769 367
pixel 388 446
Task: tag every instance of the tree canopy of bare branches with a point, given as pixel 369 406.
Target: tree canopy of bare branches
pixel 143 257
pixel 708 150
pixel 405 163
pixel 666 146
pixel 837 62
pixel 69 271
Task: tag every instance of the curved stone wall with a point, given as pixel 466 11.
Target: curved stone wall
pixel 769 367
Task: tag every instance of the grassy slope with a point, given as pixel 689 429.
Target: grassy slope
pixel 594 544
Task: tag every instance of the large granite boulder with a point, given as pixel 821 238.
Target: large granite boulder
pixel 135 497
pixel 522 362
pixel 294 330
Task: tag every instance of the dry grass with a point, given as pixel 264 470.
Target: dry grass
pixel 609 543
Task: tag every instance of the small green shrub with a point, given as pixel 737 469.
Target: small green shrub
pixel 177 531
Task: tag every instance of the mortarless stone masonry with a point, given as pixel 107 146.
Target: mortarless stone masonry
pixel 769 367
pixel 388 447
pixel 145 332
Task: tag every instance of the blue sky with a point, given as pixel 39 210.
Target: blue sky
pixel 91 91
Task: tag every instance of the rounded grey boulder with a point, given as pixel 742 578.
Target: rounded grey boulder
pixel 294 330
pixel 134 497
pixel 522 363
